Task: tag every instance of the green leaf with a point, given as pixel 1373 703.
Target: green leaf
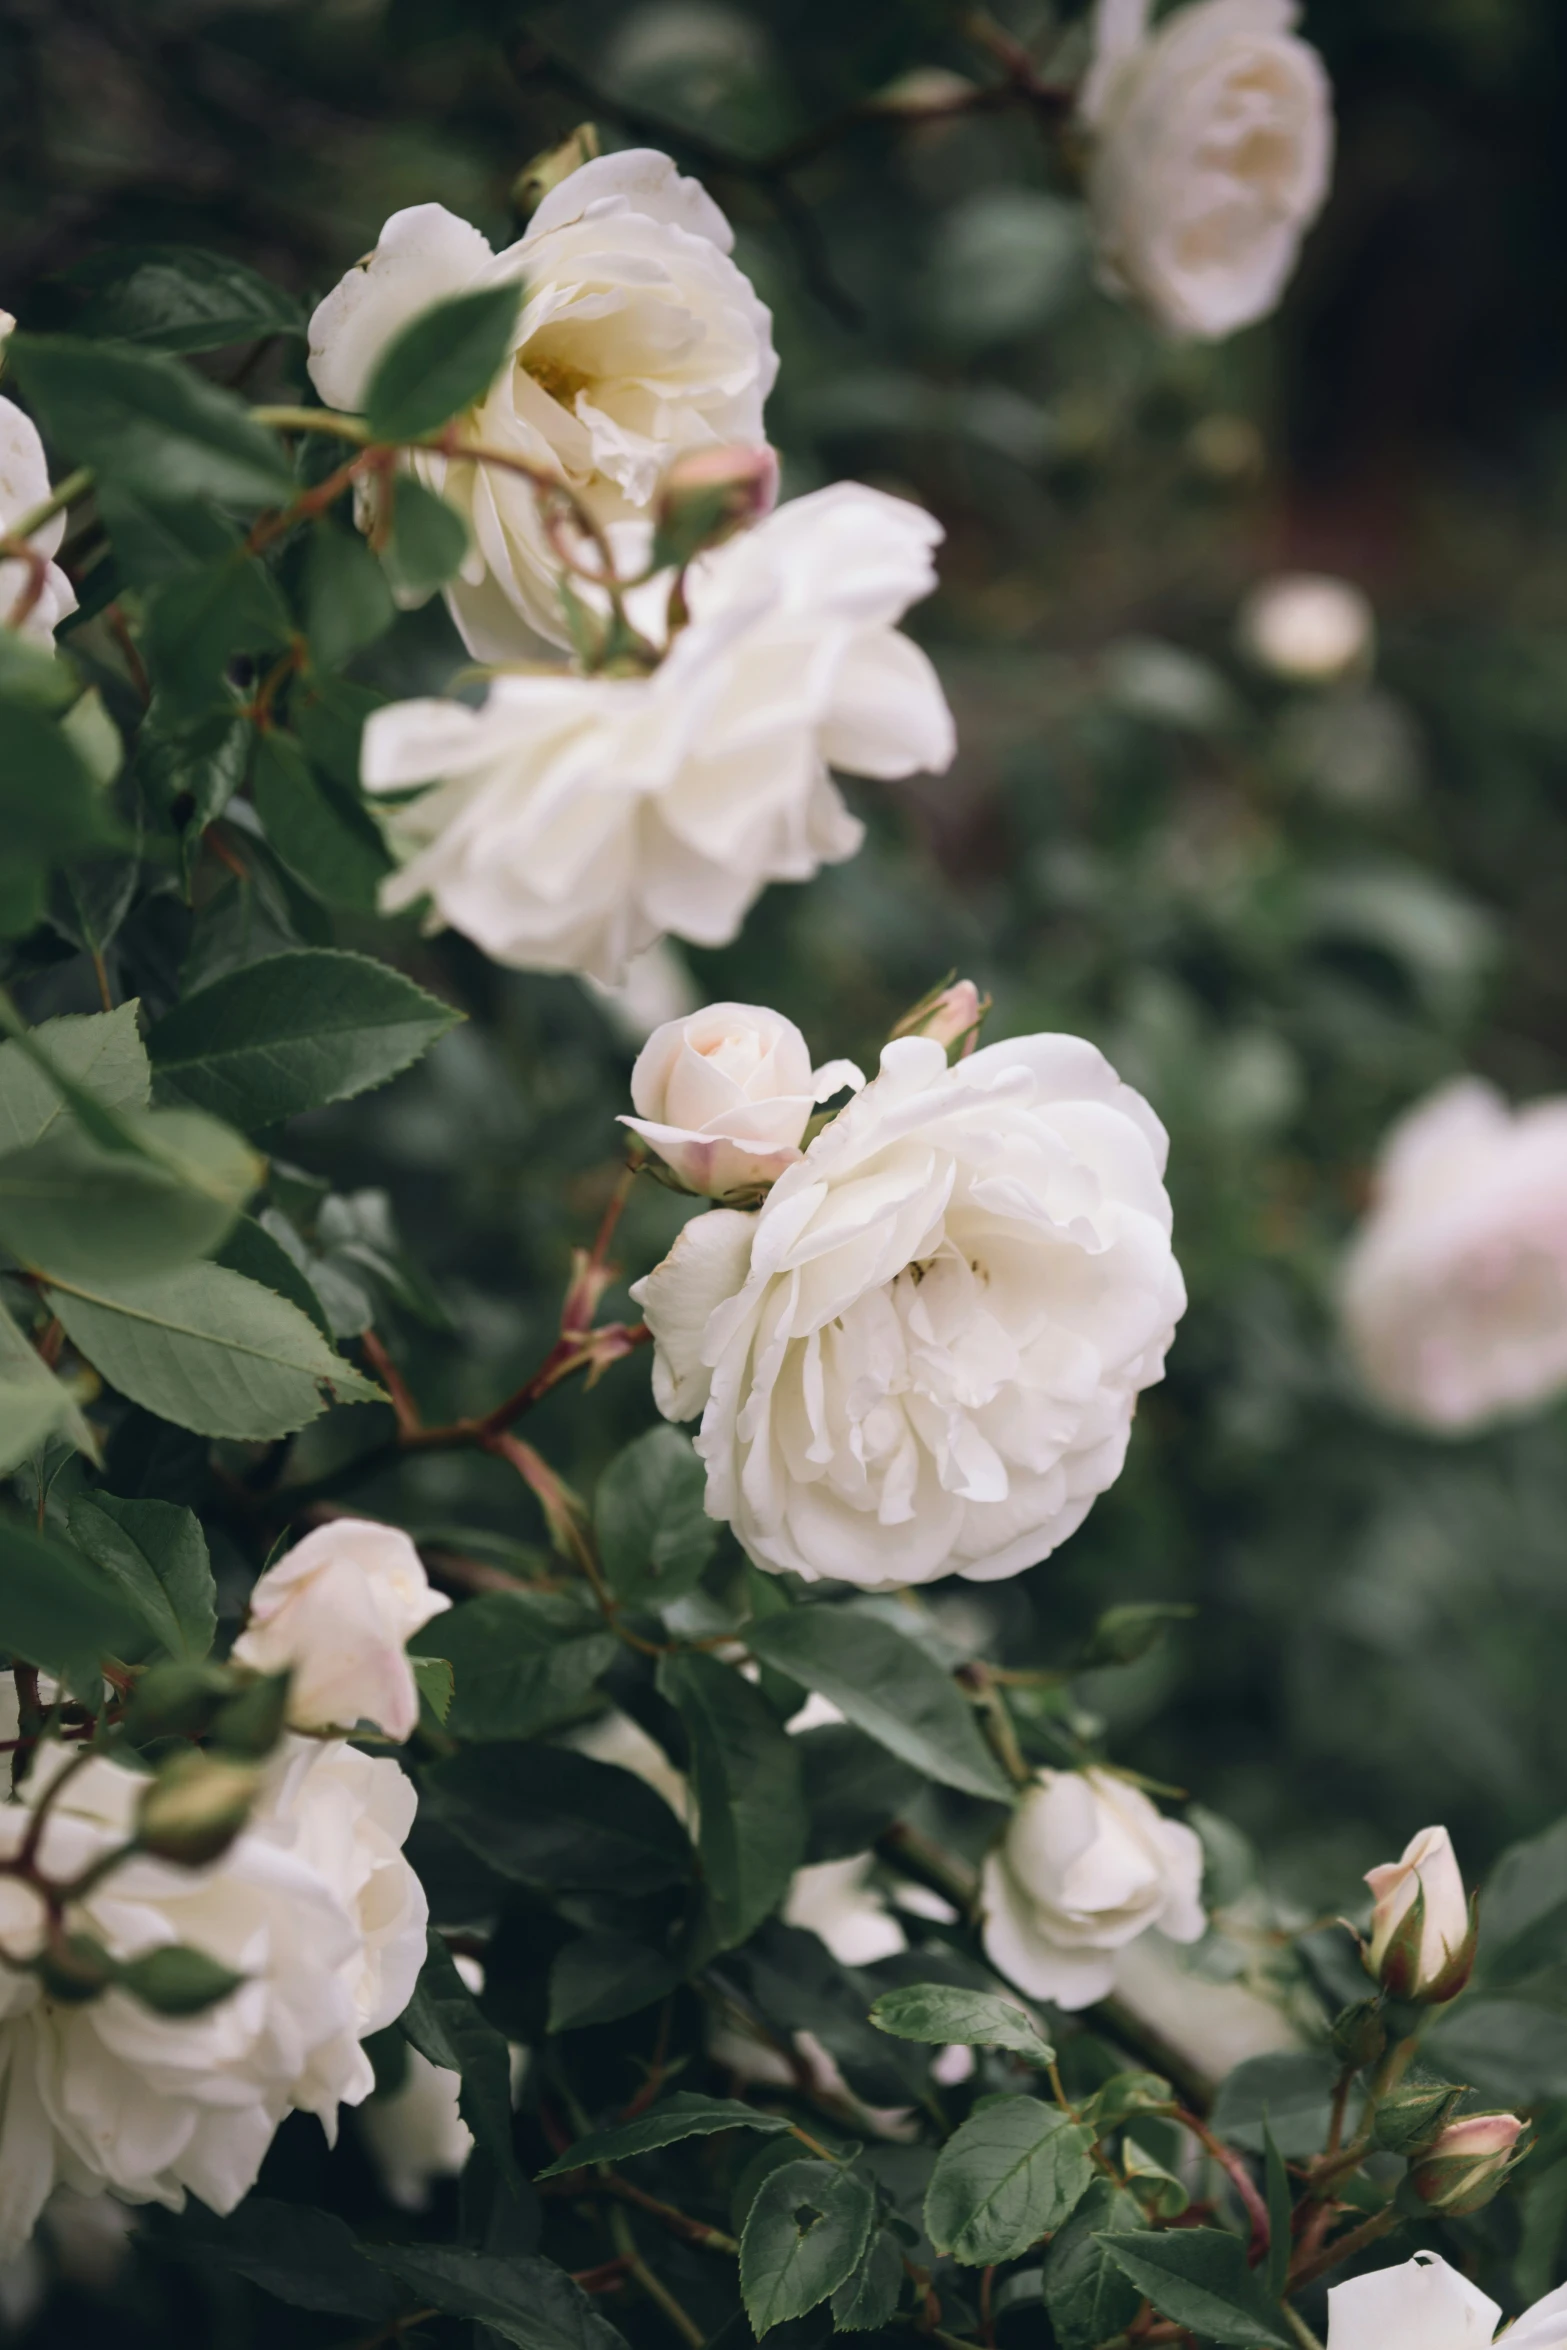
pixel 426 544
pixel 56 1610
pixel 747 1779
pixel 530 2302
pixel 1280 2214
pixel 1290 2093
pixel 655 1537
pixel 347 601
pixel 175 1980
pixel 1088 2296
pixel 1514 2051
pixel 442 362
pixel 141 420
pixel 666 2124
pixel 887 1686
pixel 854 1789
pixel 292 1034
pixel 157 1554
pixel 50 808
pixel 435 1682
pixel 805 2236
pixel 33 1402
pixel 1525 1909
pixel 79 1212
pixel 1015 2171
pixel 255 1252
pixel 443 2021
pixel 329 718
pixel 869 2299
pixel 548 1817
pixel 208 1350
pixel 159 538
pixel 522 1661
pixel 326 838
pixel 1198 2277
pixel 941 2013
pixel 180 298
pixel 303 2256
pixel 199 622
pixel 601 1977
pixel 1125 1635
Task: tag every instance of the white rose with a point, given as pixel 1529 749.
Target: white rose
pixel 921 1356
pixel 725 1096
pixel 1308 627
pixel 638 338
pixel 574 819
pixel 1213 152
pixel 416 2135
pixel 835 1900
pixel 1425 2305
pixel 24 484
pixel 1428 1870
pixel 1454 1293
pixel 1214 2026
pixel 313 1904
pixel 1086 1866
pixel 339 1610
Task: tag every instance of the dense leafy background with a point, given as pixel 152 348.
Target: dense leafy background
pixel 1284 917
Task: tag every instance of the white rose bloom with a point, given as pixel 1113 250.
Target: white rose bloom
pixel 836 1901
pixel 574 819
pixel 24 484
pixel 1214 2026
pixel 638 338
pixel 339 1610
pixel 1213 152
pixel 1308 628
pixel 416 2135
pixel 1454 1293
pixel 1425 2305
pixel 1428 1869
pixel 1086 1866
pixel 921 1356
pixel 313 1904
pixel 724 1097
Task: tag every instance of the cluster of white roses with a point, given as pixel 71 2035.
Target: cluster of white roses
pixel 24 485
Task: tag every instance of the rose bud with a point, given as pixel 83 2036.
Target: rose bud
pixel 546 171
pixel 708 495
pixel 195 1807
pixel 338 1611
pixel 952 1015
pixel 725 1097
pixel 1423 1927
pixel 1462 2169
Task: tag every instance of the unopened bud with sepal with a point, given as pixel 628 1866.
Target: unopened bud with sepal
pixel 176 1980
pixel 1413 2115
pixel 1424 1928
pixel 74 1968
pixel 196 1806
pixel 1359 2033
pixel 546 171
pixel 706 496
pixel 1464 2166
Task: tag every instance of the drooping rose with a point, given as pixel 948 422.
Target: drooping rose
pixel 1433 1961
pixel 339 1609
pixel 1454 1292
pixel 922 1355
pixel 571 820
pixel 24 484
pixel 1425 2305
pixel 638 339
pixel 1087 1865
pixel 724 1097
pixel 1212 156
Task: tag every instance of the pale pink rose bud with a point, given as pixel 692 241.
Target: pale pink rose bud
pixel 706 496
pixel 1462 2169
pixel 1422 1927
pixel 338 1611
pixel 725 1097
pixel 952 1016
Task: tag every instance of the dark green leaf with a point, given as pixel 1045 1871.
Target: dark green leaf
pixel 443 2021
pixel 1514 2051
pixel 805 2236
pixel 1199 2278
pixel 1089 2297
pixel 1015 2170
pixel 174 1980
pixel 201 621
pixel 1290 2093
pixel 191 775
pixel 305 2257
pixel 293 1033
pixel 55 1609
pixel 33 1402
pixel 180 298
pixel 746 1775
pixel 530 2302
pixel 941 2013
pixel 76 1211
pixel 253 1251
pixel 142 420
pixel 792 1978
pixel 854 1789
pixel 552 1818
pixel 50 808
pixel 435 1682
pixel 426 544
pixel 208 1350
pixel 159 538
pixel 102 1052
pixel 522 1662
pixel 329 719
pixel 1280 2213
pixel 1525 1909
pixel 655 1537
pixel 676 2118
pixel 324 836
pixel 1124 1635
pixel 602 1977
pixel 347 601
pixel 868 2300
pixel 157 1554
pixel 887 1686
pixel 442 362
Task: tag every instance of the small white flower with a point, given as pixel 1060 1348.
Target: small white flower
pixel 725 1096
pixel 1213 152
pixel 638 338
pixel 922 1355
pixel 24 484
pixel 1425 2305
pixel 1427 1871
pixel 1086 1866
pixel 1308 627
pixel 339 1610
pixel 836 1901
pixel 571 820
pixel 416 2135
pixel 1454 1293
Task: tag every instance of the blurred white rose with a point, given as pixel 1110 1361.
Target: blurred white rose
pixel 1437 1965
pixel 1214 2026
pixel 24 484
pixel 725 1096
pixel 921 1356
pixel 1308 627
pixel 339 1610
pixel 573 819
pixel 1454 1292
pixel 1086 1866
pixel 835 1900
pixel 313 1904
pixel 613 1737
pixel 657 987
pixel 1425 2305
pixel 638 338
pixel 416 2135
pixel 1213 152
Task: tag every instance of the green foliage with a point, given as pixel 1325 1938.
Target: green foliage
pixel 667 2124
pixel 746 1774
pixel 56 1609
pixel 940 2012
pixel 175 1981
pixel 1089 2296
pixel 148 425
pixel 180 298
pixel 443 2021
pixel 654 1536
pixel 521 1661
pixel 1014 2172
pixel 157 1554
pixel 529 2302
pixel 442 362
pixel 554 1819
pixel 1199 2277
pixel 806 2235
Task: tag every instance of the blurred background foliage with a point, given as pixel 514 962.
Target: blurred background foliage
pixel 1285 914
